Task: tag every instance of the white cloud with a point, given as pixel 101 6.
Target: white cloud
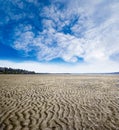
pixel 94 35
pixel 98 67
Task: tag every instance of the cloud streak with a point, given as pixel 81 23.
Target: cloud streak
pixel 63 68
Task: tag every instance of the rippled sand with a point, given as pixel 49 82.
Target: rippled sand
pixel 59 102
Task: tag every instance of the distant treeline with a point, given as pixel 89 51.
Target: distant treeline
pixel 5 70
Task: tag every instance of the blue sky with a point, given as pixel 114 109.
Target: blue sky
pixel 60 35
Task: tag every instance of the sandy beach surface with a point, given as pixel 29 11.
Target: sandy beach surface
pixel 59 102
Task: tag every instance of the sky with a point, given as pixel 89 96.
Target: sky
pixel 60 36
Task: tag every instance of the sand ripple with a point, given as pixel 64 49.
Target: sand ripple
pixel 59 102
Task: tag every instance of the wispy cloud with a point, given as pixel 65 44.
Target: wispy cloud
pixel 67 29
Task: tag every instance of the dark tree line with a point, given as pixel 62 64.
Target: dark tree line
pixel 5 70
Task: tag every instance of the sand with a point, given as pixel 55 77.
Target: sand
pixel 59 102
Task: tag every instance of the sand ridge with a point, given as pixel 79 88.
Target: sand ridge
pixel 59 102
